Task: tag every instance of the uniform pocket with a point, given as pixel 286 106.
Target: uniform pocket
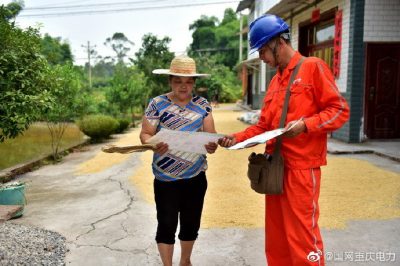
pixel 299 88
pixel 268 97
pixel 301 99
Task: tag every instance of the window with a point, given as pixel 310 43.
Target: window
pixel 324 32
pixel 316 39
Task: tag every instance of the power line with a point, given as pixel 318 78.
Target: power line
pixel 90 12
pixel 62 3
pixel 114 56
pixel 214 49
pixel 92 5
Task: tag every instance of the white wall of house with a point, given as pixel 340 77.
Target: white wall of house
pixel 325 6
pixel 263 70
pixel 251 17
pixel 382 21
pixel 261 7
pixel 265 6
pixel 254 83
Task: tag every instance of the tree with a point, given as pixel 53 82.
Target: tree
pixel 203 33
pixel 220 40
pixel 12 10
pixel 55 50
pixel 127 89
pixel 102 73
pixel 222 80
pixel 154 53
pixel 120 45
pixel 215 47
pixel 228 40
pixel 229 16
pixel 66 89
pixel 103 69
pixel 24 77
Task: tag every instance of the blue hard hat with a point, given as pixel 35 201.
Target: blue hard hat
pixel 264 28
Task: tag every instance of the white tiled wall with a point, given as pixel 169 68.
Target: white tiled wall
pixel 264 6
pixel 382 21
pixel 381 24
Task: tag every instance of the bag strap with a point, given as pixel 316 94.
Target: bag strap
pixel 278 144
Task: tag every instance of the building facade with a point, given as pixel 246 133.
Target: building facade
pixel 359 40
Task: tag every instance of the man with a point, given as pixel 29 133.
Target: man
pixel 291 228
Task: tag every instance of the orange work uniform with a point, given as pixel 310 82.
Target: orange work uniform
pixel 291 228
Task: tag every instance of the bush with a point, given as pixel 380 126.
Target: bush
pixel 123 125
pixel 24 76
pixel 98 127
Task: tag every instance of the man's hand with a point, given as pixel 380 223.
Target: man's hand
pixel 297 129
pixel 227 141
pixel 211 147
pixel 161 148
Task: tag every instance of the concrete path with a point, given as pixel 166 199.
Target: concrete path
pixel 99 214
pixel 107 220
pixel 383 148
pixel 106 223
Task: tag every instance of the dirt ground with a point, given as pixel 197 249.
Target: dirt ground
pixel 351 189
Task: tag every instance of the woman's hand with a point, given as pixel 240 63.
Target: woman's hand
pixel 161 148
pixel 227 141
pixel 211 147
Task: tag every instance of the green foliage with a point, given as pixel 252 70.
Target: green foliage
pixel 98 127
pixel 217 39
pixel 66 90
pixel 55 51
pixel 24 78
pixel 227 37
pixel 215 47
pixel 102 73
pixel 100 105
pixel 69 102
pixel 222 80
pixel 120 45
pixel 11 10
pixel 229 16
pixel 128 89
pixel 154 53
pixel 204 33
pixel 123 124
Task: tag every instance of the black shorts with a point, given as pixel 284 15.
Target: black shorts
pixel 181 199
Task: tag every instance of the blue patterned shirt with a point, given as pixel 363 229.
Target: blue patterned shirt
pixel 163 113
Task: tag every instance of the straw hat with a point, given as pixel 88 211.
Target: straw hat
pixel 182 66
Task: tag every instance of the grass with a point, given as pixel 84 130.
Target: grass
pixel 35 143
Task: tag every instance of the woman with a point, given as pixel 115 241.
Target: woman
pixel 180 183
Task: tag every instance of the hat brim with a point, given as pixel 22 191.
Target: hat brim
pixel 168 72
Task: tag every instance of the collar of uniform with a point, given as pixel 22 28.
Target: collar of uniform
pixel 289 68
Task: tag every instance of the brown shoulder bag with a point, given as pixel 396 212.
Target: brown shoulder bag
pixel 266 171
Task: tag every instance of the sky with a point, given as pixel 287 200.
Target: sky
pixel 77 30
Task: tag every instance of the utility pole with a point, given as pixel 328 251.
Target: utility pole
pixel 241 38
pixel 89 51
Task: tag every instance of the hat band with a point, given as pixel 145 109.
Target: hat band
pixel 186 70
